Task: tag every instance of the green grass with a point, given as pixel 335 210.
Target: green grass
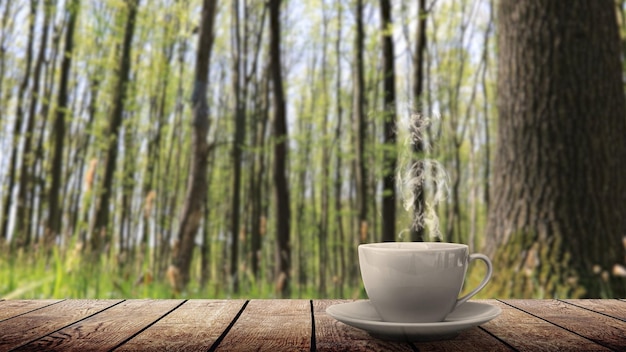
pixel 69 274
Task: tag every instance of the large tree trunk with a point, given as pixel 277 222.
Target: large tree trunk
pixel 100 234
pixel 389 125
pixel 195 199
pixel 283 213
pixel 559 184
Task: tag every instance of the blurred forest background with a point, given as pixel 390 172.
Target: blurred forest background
pixel 245 148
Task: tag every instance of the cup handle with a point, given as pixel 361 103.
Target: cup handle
pixel 482 284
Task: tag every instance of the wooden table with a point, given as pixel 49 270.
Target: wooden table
pixel 291 325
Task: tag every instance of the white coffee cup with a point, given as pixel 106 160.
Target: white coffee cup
pixel 417 282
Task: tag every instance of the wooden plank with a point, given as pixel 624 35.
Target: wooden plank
pixel 194 326
pixel 333 335
pixel 474 339
pixel 611 307
pixel 271 325
pixel 107 329
pixel 525 332
pixel 41 322
pixel 596 327
pixel 11 308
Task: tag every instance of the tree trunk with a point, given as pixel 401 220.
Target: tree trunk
pixel 17 128
pixel 195 198
pixel 169 189
pixel 358 110
pixel 340 258
pixel 100 234
pixel 258 215
pixel 58 128
pixel 4 28
pixel 556 221
pixel 417 125
pixel 158 114
pixel 389 126
pixel 283 213
pixel 27 185
pixel 238 140
pixel 325 186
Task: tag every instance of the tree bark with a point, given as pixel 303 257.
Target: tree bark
pixel 281 189
pixel 195 198
pixel 389 125
pixel 556 221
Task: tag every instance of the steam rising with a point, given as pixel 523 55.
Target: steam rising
pixel 418 174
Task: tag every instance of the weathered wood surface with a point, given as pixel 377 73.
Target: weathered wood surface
pixel 291 325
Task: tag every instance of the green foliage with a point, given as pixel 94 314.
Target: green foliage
pixel 157 113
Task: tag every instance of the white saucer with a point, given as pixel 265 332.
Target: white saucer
pixel 363 315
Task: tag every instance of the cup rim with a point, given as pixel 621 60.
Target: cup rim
pixel 413 246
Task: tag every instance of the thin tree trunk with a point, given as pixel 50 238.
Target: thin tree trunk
pixel 359 116
pixel 283 213
pixel 304 154
pixel 125 209
pixel 3 38
pixel 17 128
pixel 260 108
pixel 417 126
pixel 259 222
pixel 158 113
pixel 389 126
pixel 168 189
pixel 325 185
pixel 339 253
pixel 486 123
pixel 27 186
pixel 58 132
pixel 238 140
pixel 195 198
pixel 100 235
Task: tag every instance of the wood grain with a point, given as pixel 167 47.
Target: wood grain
pixel 525 332
pixel 194 326
pixel 289 325
pixel 332 335
pixel 613 308
pixel 106 330
pixel 41 322
pixel 607 331
pixel 12 308
pixel 271 325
